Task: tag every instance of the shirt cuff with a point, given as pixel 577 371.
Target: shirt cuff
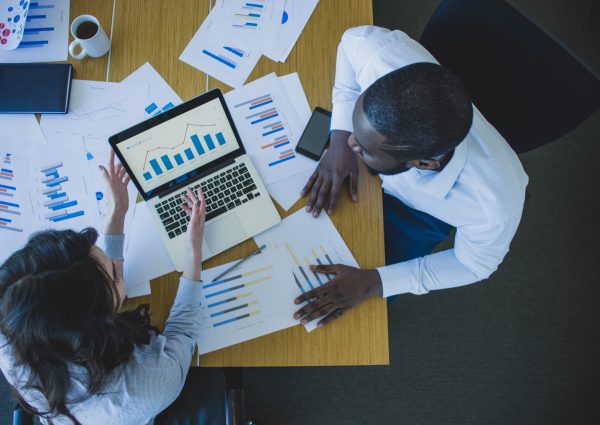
pixel 396 279
pixel 341 116
pixel 113 246
pixel 190 291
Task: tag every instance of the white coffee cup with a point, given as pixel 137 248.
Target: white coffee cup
pixel 90 36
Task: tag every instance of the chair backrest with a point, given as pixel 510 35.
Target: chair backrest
pixel 524 82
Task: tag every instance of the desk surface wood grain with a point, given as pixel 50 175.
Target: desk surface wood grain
pixel 156 31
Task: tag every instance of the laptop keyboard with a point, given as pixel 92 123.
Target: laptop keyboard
pixel 223 192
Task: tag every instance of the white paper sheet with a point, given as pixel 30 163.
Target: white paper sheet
pixel 16 214
pixel 44 188
pixel 324 246
pixel 98 109
pixel 222 59
pixel 252 300
pixel 21 126
pixel 287 191
pixel 145 255
pixel 294 18
pixel 161 96
pixel 249 23
pixel 46 34
pixel 269 126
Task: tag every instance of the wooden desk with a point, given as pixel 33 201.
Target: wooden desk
pixel 157 31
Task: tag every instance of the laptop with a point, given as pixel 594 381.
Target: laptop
pixel 196 144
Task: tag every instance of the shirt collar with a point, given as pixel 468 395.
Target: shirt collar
pixel 439 184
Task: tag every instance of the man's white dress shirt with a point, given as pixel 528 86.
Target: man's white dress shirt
pixel 480 191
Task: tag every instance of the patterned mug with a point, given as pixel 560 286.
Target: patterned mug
pixel 13 16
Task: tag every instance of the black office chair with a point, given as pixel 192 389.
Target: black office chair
pixel 210 396
pixel 522 80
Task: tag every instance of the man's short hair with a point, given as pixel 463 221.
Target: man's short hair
pixel 423 109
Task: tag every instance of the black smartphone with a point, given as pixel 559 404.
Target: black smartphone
pixel 316 134
pixel 35 88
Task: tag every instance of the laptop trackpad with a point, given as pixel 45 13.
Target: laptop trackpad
pixel 224 232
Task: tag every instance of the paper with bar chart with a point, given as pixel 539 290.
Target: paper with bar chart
pixel 161 96
pixel 60 196
pixel 222 59
pixel 15 214
pixel 252 300
pixel 294 17
pixel 324 246
pixel 251 22
pixel 179 145
pixel 269 127
pixel 45 35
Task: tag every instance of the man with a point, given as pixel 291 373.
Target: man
pixel 442 165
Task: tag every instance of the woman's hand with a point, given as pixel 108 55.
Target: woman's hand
pixel 117 179
pixel 195 207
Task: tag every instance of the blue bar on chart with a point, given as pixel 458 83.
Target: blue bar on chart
pixel 256 102
pixel 220 138
pixel 157 170
pixel 197 144
pixel 165 159
pixel 209 142
pixel 37 30
pixel 147 175
pixel 235 51
pixel 57 200
pixel 188 153
pixel 178 159
pixel 263 116
pixel 36 6
pixel 56 181
pixel 273 129
pixel 151 108
pixel 220 58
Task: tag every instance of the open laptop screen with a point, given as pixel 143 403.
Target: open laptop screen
pixel 172 151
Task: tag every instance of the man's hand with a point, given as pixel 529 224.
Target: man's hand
pixel 349 288
pixel 338 163
pixel 116 179
pixel 195 207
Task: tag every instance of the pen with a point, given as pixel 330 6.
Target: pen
pixel 252 254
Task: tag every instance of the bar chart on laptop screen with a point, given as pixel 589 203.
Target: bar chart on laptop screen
pixel 179 145
pixel 270 128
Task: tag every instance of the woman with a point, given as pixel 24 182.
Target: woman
pixel 69 353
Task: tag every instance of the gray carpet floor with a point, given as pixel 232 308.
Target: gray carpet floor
pixel 519 348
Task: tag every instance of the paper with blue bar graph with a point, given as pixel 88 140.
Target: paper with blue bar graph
pixel 46 187
pixel 161 97
pixel 221 58
pixel 298 252
pixel 16 214
pixel 255 299
pixel 270 126
pixel 46 34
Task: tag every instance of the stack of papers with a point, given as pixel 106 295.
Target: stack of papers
pixel 237 32
pixel 270 114
pixel 46 34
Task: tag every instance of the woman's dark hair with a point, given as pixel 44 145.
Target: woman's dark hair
pixel 58 308
pixel 423 109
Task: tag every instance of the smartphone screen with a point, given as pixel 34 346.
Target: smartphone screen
pixel 35 88
pixel 315 135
